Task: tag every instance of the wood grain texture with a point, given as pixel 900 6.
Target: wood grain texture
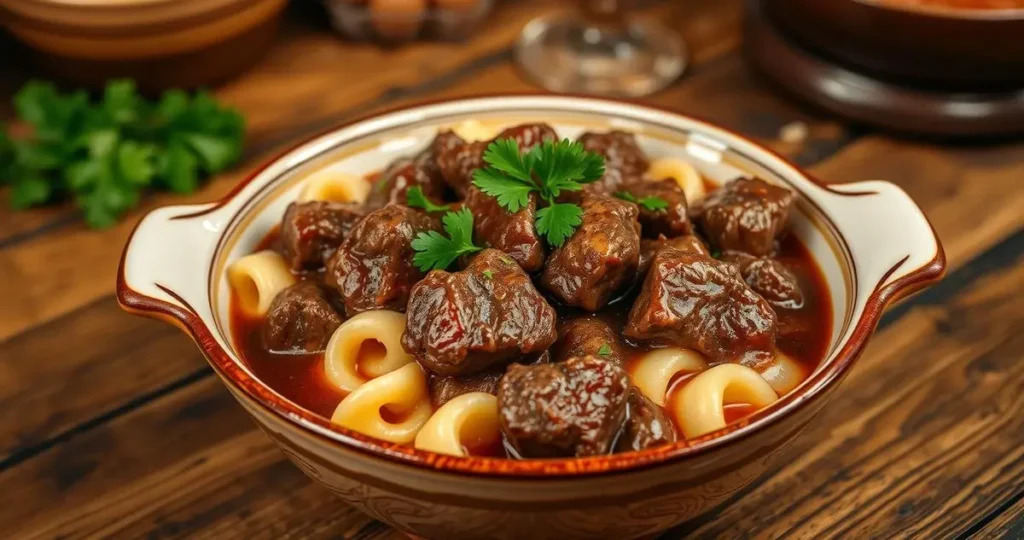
pixel 114 426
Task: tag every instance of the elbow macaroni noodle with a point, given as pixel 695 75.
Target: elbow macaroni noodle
pixel 784 374
pixel 682 172
pixel 655 369
pixel 471 417
pixel 699 408
pixel 342 362
pixel 258 278
pixel 403 392
pixel 335 186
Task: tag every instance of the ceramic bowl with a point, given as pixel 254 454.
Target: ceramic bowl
pixel 872 242
pixel 159 43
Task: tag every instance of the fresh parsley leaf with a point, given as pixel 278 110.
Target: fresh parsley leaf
pixel 488 274
pixel 547 170
pixel 104 154
pixel 415 198
pixel 434 251
pixel 653 204
pixel 512 194
pixel 605 350
pixel 558 221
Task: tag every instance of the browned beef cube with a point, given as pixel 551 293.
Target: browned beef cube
pixel 373 267
pixel 620 151
pixel 769 278
pixel 311 231
pixel 300 320
pixel 444 388
pixel 688 243
pixel 598 258
pixel 422 171
pixel 670 221
pixel 744 215
pixel 585 336
pixel 702 304
pixel 484 316
pixel 647 425
pixel 513 233
pixel 458 163
pixel 572 408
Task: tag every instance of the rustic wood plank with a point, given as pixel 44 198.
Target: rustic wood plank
pixel 60 250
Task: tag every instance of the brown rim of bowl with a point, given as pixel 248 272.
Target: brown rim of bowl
pixel 187 319
pixel 947 12
pixel 120 27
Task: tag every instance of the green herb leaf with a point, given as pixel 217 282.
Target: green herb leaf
pixel 558 221
pixel 488 274
pixel 437 252
pixel 415 198
pixel 504 156
pixel 565 166
pixel 605 350
pixel 512 194
pixel 653 204
pixel 29 191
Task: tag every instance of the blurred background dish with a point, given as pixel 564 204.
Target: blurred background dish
pixel 159 43
pixel 396 21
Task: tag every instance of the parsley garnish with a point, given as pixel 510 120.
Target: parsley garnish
pixel 605 350
pixel 488 274
pixel 435 251
pixel 104 154
pixel 415 198
pixel 547 170
pixel 654 204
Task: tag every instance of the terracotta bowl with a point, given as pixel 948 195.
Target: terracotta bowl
pixel 159 43
pixel 872 242
pixel 967 49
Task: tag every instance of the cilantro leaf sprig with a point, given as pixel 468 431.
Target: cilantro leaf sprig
pixel 104 154
pixel 652 203
pixel 435 251
pixel 549 169
pixel 415 198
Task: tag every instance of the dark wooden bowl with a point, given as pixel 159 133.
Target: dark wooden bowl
pixel 966 49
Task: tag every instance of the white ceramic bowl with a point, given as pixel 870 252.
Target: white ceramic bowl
pixel 871 241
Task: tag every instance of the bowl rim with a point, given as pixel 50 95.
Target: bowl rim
pixel 949 12
pixel 188 320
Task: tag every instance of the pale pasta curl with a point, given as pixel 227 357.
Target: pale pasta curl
pixel 402 392
pixel 699 407
pixel 682 172
pixel 335 186
pixel 654 371
pixel 474 130
pixel 365 347
pixel 257 279
pixel 784 374
pixel 467 420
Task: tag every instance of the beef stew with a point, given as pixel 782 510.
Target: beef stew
pixel 583 348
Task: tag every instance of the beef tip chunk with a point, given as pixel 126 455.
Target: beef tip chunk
pixel 670 221
pixel 744 215
pixel 373 267
pixel 300 320
pixel 585 336
pixel 484 316
pixel 311 231
pixel 598 258
pixel 422 171
pixel 513 233
pixel 769 278
pixel 700 303
pixel 688 243
pixel 458 162
pixel 620 151
pixel 444 388
pixel 571 408
pixel 647 425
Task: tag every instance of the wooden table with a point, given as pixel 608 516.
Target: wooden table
pixel 114 425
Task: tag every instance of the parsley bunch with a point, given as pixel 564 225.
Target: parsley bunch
pixel 652 203
pixel 435 251
pixel 104 154
pixel 547 170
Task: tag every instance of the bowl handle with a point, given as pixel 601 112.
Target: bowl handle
pixel 165 266
pixel 894 249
